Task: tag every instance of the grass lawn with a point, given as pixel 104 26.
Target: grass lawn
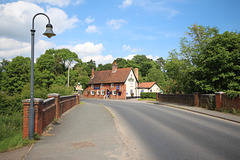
pixel 147 99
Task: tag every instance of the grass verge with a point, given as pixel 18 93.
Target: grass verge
pixel 11 132
pixel 147 99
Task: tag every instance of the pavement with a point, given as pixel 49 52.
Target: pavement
pixel 88 132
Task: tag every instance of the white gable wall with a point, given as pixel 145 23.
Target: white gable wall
pixel 155 88
pixel 131 85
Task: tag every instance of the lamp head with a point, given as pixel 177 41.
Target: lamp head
pixel 49 32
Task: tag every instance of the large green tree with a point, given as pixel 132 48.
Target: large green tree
pixel 218 65
pixel 180 66
pixel 16 74
pixel 67 57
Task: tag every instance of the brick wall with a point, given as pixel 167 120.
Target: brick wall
pixel 186 99
pixel 218 101
pixel 45 111
pixel 229 103
pixel 120 94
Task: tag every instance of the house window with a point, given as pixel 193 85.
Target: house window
pixel 142 91
pixel 112 85
pixel 131 91
pixel 98 92
pixel 102 92
pixel 150 90
pixel 114 92
pixel 131 84
pixel 92 86
pixel 92 92
pixel 101 86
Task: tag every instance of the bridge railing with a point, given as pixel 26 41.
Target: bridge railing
pixel 217 101
pixel 47 110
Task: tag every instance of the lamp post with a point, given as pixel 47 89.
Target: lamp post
pixel 49 33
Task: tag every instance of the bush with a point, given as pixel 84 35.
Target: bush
pixel 148 95
pixel 60 89
pixel 233 94
pixel 10 104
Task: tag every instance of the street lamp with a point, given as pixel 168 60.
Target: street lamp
pixel 49 33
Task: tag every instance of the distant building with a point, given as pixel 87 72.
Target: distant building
pixel 149 87
pixel 115 84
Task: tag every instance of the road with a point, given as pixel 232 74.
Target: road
pixel 163 133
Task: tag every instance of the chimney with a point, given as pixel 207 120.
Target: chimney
pixel 136 72
pixel 92 72
pixel 114 67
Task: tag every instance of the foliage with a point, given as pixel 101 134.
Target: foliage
pixel 10 104
pixel 207 62
pixel 11 131
pixel 148 95
pixel 16 75
pixel 219 64
pixel 233 94
pixel 62 90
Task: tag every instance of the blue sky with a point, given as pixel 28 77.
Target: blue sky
pixel 103 30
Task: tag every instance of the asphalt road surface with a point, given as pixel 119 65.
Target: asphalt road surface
pixel 161 133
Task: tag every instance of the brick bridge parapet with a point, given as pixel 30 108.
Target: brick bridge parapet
pixel 45 111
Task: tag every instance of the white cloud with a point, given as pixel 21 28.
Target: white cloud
pixel 16 20
pixel 99 59
pixel 89 20
pixel 92 29
pixel 125 4
pixel 78 2
pixel 10 48
pixel 126 47
pixel 59 3
pixel 129 57
pixel 116 23
pixel 88 49
pixel 152 57
pixel 60 20
pixel 130 49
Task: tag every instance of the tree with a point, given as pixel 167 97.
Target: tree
pixel 67 57
pixel 3 65
pixel 180 66
pixel 88 66
pixel 218 67
pixel 121 62
pixel 107 66
pixel 161 62
pixel 16 75
pixel 156 75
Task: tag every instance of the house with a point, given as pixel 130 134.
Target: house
pixel 149 87
pixel 118 83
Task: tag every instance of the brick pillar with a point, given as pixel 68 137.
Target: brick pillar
pixel 196 99
pixel 157 96
pixel 79 98
pixel 76 98
pixel 37 116
pixel 57 103
pixel 219 100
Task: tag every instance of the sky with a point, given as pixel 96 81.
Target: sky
pixel 104 30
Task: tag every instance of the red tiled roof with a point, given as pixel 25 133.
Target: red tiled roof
pixel 108 76
pixel 146 84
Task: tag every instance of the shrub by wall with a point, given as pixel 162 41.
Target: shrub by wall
pixel 148 95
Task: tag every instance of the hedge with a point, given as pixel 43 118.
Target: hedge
pixel 148 95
